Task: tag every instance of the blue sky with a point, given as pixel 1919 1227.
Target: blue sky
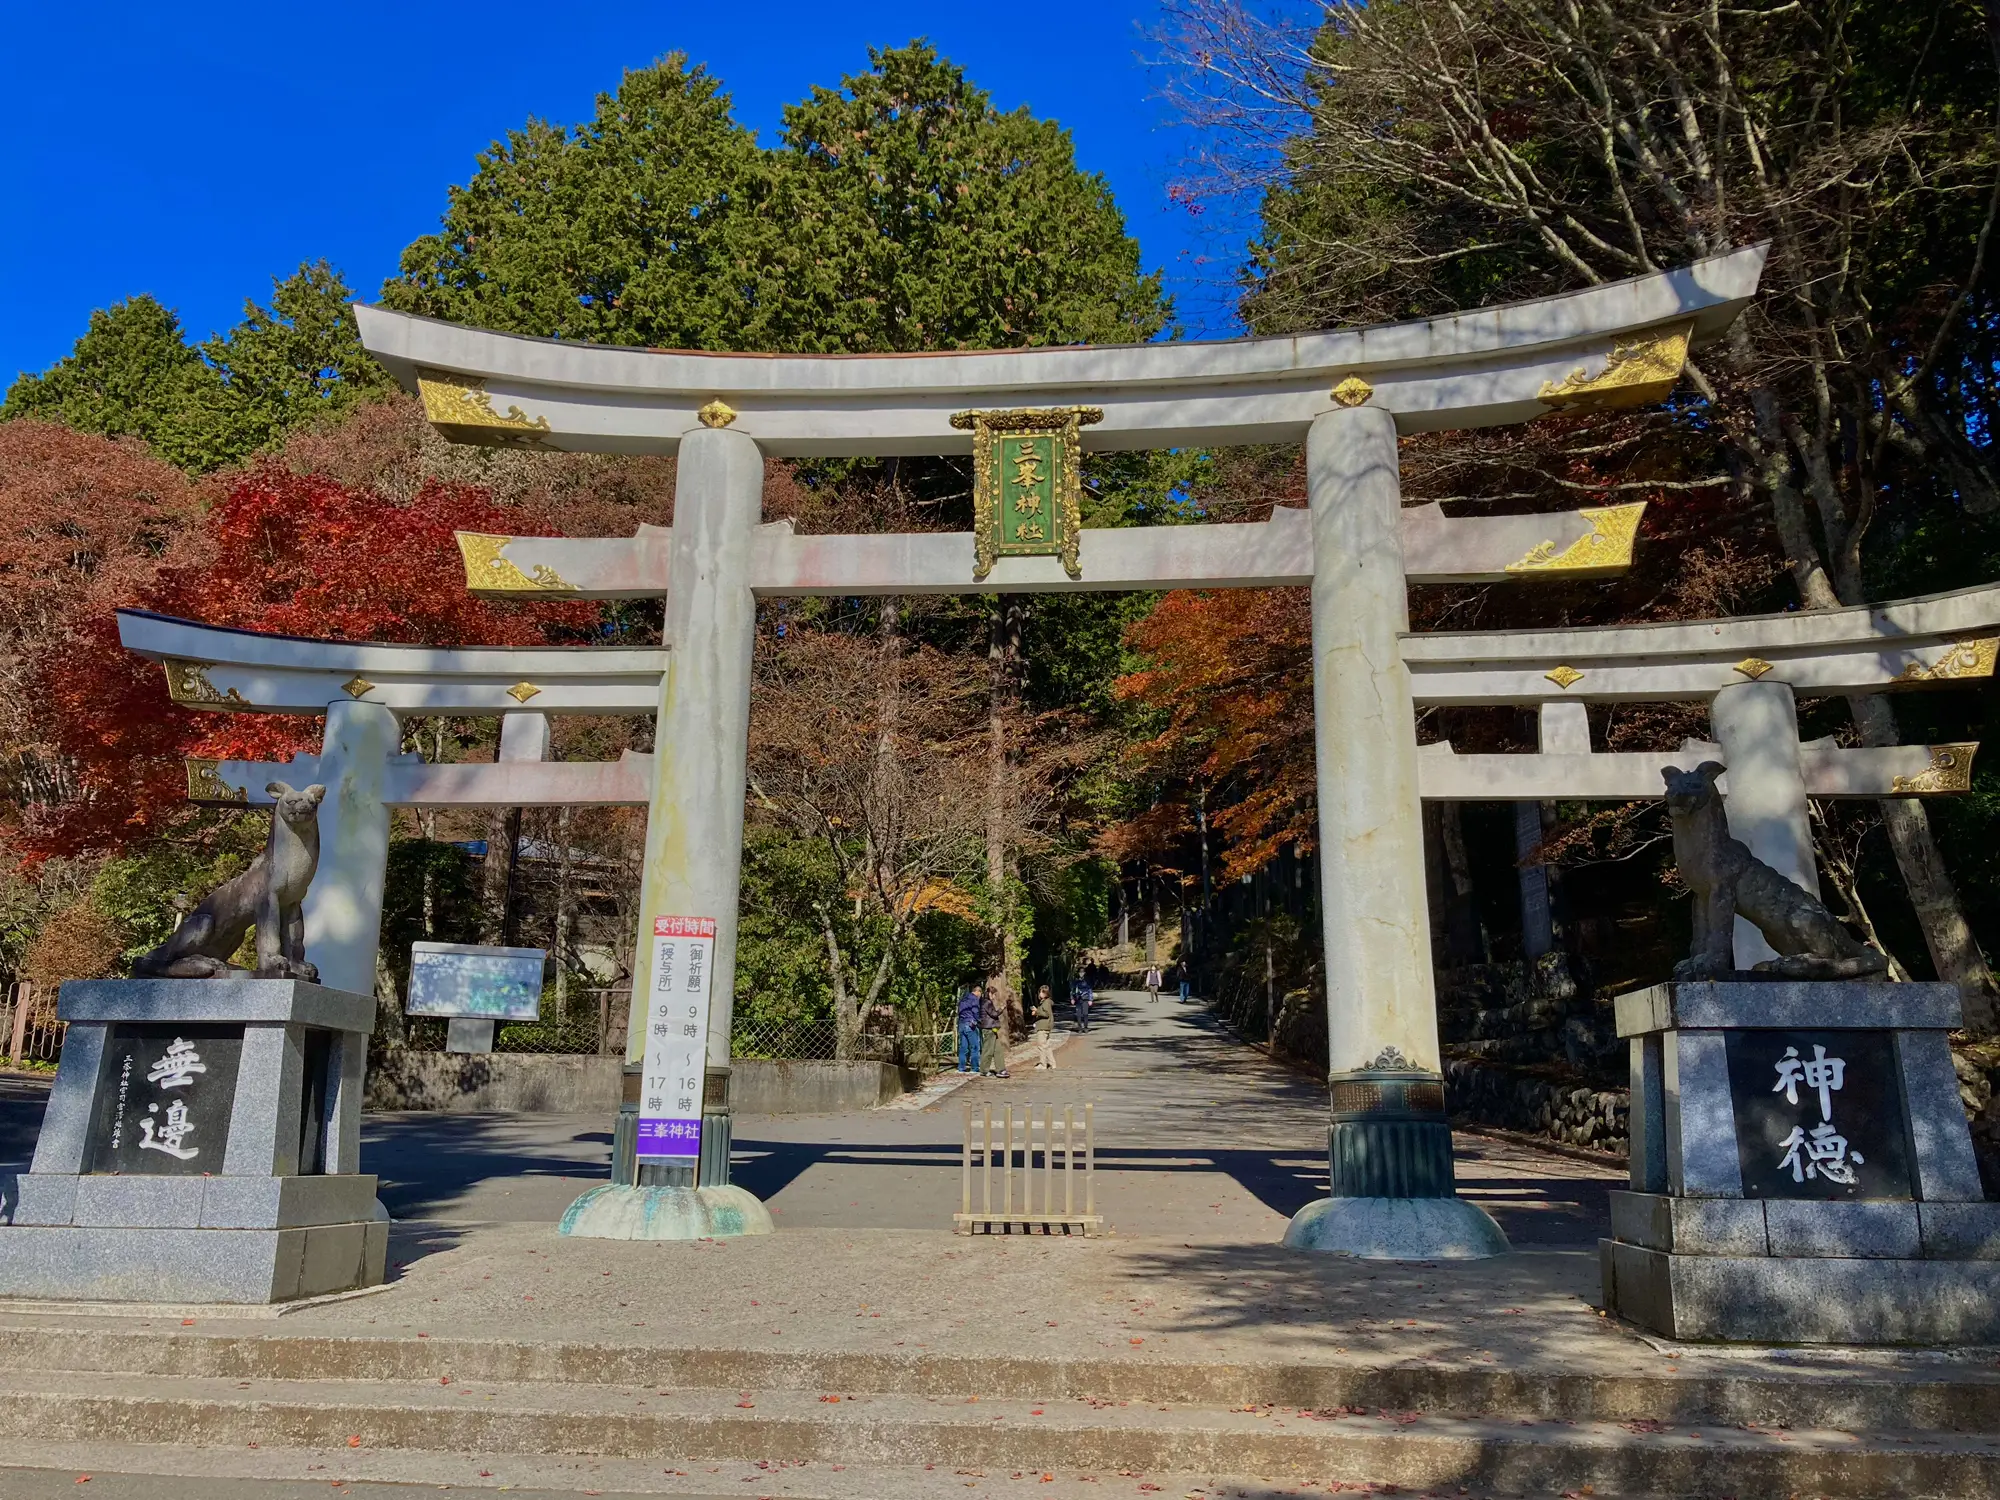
pixel 195 151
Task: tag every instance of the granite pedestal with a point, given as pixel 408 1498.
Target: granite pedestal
pixel 1801 1169
pixel 201 1144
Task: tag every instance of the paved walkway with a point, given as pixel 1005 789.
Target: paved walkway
pixel 1198 1136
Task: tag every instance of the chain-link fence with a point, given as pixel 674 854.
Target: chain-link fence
pixel 593 1022
pixel 907 1040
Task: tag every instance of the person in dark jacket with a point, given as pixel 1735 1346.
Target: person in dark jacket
pixel 992 1044
pixel 1080 996
pixel 969 1005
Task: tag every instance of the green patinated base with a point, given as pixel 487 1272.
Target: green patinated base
pixel 613 1212
pixel 1389 1162
pixel 1388 1136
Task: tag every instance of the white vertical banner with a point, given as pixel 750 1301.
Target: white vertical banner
pixel 676 1063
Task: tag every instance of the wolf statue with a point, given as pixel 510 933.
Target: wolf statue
pixel 1728 881
pixel 268 895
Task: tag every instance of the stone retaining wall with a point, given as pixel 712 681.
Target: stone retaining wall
pixel 548 1083
pixel 1569 1113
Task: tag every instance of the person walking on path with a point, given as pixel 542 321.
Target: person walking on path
pixel 1080 997
pixel 1181 973
pixel 1045 1029
pixel 1152 981
pixel 968 1030
pixel 992 1049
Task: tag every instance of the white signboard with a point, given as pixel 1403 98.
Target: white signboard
pixel 676 1061
pixel 475 980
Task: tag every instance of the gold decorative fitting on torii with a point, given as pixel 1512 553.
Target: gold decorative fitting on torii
pixel 1602 551
pixel 460 409
pixel 1027 483
pixel 718 413
pixel 1753 667
pixel 1353 391
pixel 188 685
pixel 203 785
pixel 1950 771
pixel 1638 373
pixel 488 571
pixel 1961 659
pixel 1564 677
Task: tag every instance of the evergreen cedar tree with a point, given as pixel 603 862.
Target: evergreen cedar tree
pixel 134 374
pixel 898 212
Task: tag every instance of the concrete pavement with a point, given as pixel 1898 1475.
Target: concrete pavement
pixel 1197 1135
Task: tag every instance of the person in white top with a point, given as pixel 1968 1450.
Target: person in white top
pixel 1153 982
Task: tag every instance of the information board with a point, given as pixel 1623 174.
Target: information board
pixel 168 1093
pixel 676 1061
pixel 475 981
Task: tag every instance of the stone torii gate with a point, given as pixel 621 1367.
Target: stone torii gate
pixel 1026 416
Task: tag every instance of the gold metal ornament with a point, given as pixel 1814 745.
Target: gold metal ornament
pixel 188 685
pixel 1639 372
pixel 488 570
pixel 718 413
pixel 1752 667
pixel 357 686
pixel 1012 474
pixel 1605 550
pixel 1564 677
pixel 1353 391
pixel 203 785
pixel 459 408
pixel 1950 770
pixel 1961 659
pixel 521 692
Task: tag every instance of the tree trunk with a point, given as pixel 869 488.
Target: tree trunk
pixel 1954 951
pixel 882 789
pixel 1003 653
pixel 1468 933
pixel 496 873
pixel 846 1006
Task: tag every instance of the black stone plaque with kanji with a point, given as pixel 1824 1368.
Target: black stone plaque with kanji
pixel 165 1099
pixel 1819 1114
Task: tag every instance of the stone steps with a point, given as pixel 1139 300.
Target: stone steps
pixel 1816 1392
pixel 416 1427
pixel 681 1428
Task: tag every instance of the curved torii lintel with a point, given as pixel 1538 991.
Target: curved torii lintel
pixel 1620 344
pixel 246 671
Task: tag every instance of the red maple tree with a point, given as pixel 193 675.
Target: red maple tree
pixel 280 552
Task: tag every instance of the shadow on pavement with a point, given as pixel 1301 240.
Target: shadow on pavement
pixel 425 1161
pixel 22 1101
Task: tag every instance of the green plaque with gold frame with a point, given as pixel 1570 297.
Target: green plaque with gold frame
pixel 1027 483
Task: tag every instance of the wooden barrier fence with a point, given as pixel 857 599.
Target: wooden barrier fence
pixel 30 1029
pixel 1055 1145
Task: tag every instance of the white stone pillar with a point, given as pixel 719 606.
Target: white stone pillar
pixel 1376 921
pixel 1757 724
pixel 1389 1143
pixel 343 906
pixel 694 832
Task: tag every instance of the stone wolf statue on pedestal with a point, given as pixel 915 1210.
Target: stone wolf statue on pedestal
pixel 268 894
pixel 1728 881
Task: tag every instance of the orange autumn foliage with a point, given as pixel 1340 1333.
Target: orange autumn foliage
pixel 1230 672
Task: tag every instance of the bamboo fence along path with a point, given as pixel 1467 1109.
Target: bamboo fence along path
pixel 1050 1218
